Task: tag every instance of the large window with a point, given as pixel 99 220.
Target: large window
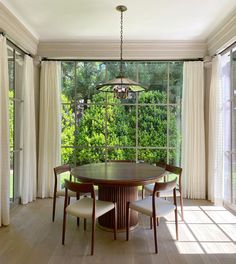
pixel 229 88
pixel 15 67
pixel 98 127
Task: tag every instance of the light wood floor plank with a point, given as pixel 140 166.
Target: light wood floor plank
pixel 208 236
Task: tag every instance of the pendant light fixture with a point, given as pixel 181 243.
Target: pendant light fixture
pixel 121 86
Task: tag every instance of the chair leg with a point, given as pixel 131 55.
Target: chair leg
pixel 64 228
pixel 127 220
pixel 181 205
pixel 150 222
pixel 85 224
pixel 78 221
pixel 93 236
pixel 142 191
pixel 155 233
pixel 115 220
pixel 176 224
pixel 54 207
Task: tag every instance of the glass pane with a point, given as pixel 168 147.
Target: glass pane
pixel 227 125
pixel 175 82
pixel 152 155
pixel 174 126
pixel 121 120
pixel 10 53
pixel 152 126
pixel 175 157
pixel 88 76
pixel 113 70
pixel 68 125
pixel 11 172
pixel 67 155
pixel 89 155
pixel 68 82
pixel 233 178
pixel 154 76
pixel 121 154
pixel 131 70
pixel 90 125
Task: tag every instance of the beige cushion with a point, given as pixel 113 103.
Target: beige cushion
pixel 83 207
pixel 163 207
pixel 168 193
pixel 62 193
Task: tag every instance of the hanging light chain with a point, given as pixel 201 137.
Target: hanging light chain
pixel 121 43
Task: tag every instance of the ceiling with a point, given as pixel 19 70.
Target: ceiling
pixel 98 19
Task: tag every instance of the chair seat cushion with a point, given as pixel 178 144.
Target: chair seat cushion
pixel 84 207
pixel 62 193
pixel 168 193
pixel 163 207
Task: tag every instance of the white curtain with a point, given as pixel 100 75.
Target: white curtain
pixel 28 177
pixel 4 135
pixel 193 133
pixel 215 156
pixel 49 126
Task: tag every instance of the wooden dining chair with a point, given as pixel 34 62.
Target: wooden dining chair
pixel 56 193
pixel 155 207
pixel 177 171
pixel 86 207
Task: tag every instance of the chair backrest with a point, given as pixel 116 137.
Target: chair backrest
pixel 163 186
pixel 176 170
pixel 59 170
pixel 161 164
pixel 79 188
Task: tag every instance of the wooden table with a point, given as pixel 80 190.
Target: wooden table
pixel 118 181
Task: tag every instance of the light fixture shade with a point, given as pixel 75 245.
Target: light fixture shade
pixel 121 86
pixel 119 81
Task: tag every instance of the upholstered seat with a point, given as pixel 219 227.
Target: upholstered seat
pixel 84 208
pixel 163 207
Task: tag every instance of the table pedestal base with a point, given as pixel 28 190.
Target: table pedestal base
pixel 121 195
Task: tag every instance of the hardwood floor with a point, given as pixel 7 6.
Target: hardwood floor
pixel 208 235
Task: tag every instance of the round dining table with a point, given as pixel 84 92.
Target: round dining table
pixel 118 182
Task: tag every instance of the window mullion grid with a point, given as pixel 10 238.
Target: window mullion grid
pixel 168 112
pixel 75 109
pixel 14 123
pixel 136 127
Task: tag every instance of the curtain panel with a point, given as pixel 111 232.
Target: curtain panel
pixel 193 132
pixel 215 156
pixel 4 135
pixel 28 176
pixel 49 126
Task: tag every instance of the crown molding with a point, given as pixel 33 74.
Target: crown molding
pixel 16 31
pixel 222 36
pixel 132 50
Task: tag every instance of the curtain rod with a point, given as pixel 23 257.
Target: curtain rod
pixel 183 60
pixel 15 45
